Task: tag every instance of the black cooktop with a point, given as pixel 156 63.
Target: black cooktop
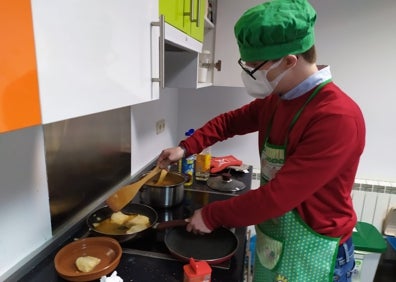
pixel 147 258
pixel 159 265
pixel 153 240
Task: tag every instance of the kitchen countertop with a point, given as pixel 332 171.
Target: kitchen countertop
pixel 155 264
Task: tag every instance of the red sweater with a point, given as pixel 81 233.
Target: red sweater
pixel 323 152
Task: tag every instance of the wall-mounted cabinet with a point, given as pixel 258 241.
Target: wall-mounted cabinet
pixel 185 15
pixel 95 55
pixel 182 68
pixel 186 69
pixel 189 32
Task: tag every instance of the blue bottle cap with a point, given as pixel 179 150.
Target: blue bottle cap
pixel 189 132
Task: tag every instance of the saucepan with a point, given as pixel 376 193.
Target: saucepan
pixel 215 247
pixel 168 193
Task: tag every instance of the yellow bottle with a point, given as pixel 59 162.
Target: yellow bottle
pixel 202 165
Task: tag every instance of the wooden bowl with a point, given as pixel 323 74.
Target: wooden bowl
pixel 108 250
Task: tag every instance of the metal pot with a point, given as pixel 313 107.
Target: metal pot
pixel 170 193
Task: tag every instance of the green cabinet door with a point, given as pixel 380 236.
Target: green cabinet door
pixel 179 14
pixel 173 12
pixel 198 23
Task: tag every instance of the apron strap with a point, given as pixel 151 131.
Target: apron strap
pixel 298 114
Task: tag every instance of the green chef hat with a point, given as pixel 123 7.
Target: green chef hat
pixel 275 29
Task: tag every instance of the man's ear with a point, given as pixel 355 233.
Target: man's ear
pixel 291 60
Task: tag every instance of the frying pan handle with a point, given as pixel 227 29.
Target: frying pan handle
pixel 85 235
pixel 170 224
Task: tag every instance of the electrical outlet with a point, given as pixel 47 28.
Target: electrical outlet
pixel 160 126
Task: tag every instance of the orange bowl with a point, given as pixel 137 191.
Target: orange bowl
pixel 108 250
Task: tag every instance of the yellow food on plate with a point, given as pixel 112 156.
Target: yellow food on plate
pixel 87 263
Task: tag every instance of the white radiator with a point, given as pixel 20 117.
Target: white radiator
pixel 372 200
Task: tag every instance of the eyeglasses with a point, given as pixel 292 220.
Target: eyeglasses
pixel 249 70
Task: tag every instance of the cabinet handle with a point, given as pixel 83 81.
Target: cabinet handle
pixel 191 13
pixel 161 25
pixel 217 65
pixel 199 13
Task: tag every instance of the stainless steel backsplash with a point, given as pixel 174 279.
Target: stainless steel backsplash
pixel 85 157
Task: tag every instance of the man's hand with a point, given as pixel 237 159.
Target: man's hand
pixel 196 223
pixel 169 156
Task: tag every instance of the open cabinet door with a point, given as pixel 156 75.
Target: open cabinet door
pixel 19 96
pixel 94 55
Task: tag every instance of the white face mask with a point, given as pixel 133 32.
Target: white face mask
pixel 261 87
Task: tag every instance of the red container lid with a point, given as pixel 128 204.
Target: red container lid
pixel 197 268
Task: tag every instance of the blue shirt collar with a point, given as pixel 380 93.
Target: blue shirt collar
pixel 315 79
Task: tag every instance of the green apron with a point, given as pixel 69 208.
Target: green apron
pixel 287 249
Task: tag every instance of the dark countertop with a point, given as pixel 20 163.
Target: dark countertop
pixel 156 264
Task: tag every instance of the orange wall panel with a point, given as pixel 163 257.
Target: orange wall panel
pixel 19 92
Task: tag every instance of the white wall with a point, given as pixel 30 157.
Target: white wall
pixel 198 106
pixel 146 144
pixel 184 109
pixel 24 206
pixel 358 39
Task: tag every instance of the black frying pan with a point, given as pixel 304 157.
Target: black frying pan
pixel 105 212
pixel 131 208
pixel 215 247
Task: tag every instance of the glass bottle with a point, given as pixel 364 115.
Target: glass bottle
pixel 202 165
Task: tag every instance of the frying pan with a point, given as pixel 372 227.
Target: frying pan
pixel 131 208
pixel 106 212
pixel 215 247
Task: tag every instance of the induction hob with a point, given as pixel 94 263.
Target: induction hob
pixel 147 259
pixel 153 240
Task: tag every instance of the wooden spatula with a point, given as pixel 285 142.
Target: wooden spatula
pixel 162 176
pixel 126 194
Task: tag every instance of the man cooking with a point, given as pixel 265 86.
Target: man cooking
pixel 311 137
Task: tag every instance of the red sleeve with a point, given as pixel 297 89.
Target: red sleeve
pixel 237 122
